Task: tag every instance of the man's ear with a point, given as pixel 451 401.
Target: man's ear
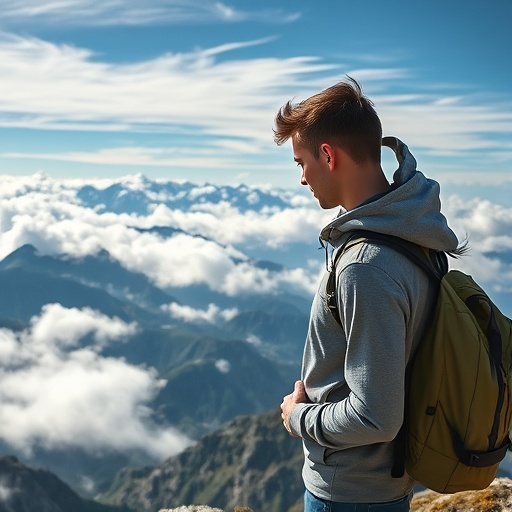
pixel 327 152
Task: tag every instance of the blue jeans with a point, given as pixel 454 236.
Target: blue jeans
pixel 314 504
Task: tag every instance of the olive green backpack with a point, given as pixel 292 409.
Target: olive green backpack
pixel 459 382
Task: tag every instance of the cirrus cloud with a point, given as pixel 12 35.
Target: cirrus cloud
pixel 129 12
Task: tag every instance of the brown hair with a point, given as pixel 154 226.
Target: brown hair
pixel 340 115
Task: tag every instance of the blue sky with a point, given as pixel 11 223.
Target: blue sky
pixel 188 89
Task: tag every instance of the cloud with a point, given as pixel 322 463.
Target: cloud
pixel 214 241
pixel 254 340
pixel 488 227
pixel 130 12
pixel 79 90
pixel 56 393
pixel 223 365
pixel 463 123
pixel 488 224
pixel 5 492
pixel 66 327
pixel 224 223
pixel 212 315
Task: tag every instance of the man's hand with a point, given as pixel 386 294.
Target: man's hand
pixel 290 401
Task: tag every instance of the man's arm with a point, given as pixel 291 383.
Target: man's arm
pixel 374 312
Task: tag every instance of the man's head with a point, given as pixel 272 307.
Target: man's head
pixel 340 116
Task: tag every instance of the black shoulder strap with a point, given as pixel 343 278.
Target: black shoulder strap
pixel 434 263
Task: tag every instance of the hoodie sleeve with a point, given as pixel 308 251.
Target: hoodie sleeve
pixel 374 311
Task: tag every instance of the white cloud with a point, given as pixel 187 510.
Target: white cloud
pixel 76 91
pixel 88 485
pixel 212 315
pixel 488 227
pixel 224 223
pixel 448 128
pixel 223 365
pixel 5 492
pixel 55 393
pixel 130 12
pixel 79 90
pixel 245 277
pixel 482 218
pixel 66 327
pixel 254 340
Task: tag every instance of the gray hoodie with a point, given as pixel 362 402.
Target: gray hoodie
pixel 354 377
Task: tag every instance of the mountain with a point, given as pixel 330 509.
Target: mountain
pixel 282 332
pixel 26 291
pixel 23 489
pixel 208 380
pixel 251 462
pixel 137 196
pixel 97 281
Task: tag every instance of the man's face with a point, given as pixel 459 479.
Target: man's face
pixel 315 174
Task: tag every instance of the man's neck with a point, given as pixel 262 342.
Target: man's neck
pixel 367 182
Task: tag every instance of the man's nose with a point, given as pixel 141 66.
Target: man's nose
pixel 303 180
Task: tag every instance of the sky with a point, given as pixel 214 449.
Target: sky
pixel 188 89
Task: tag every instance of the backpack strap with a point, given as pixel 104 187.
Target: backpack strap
pixel 433 263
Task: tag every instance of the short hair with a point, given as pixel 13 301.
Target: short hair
pixel 340 115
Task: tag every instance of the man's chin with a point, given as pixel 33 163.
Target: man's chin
pixel 327 206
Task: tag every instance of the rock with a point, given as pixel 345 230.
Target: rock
pixel 495 498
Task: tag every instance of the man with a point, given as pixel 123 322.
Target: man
pixel 349 405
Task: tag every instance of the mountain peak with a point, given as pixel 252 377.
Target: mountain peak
pixel 25 489
pixel 18 257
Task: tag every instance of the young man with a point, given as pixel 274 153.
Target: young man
pixel 348 406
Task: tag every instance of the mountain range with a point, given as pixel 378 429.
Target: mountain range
pixel 137 196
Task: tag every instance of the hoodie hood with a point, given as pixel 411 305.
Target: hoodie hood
pixel 410 210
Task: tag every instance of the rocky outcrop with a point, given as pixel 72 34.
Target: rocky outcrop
pixel 496 498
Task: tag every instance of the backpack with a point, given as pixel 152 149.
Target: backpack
pixel 458 383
